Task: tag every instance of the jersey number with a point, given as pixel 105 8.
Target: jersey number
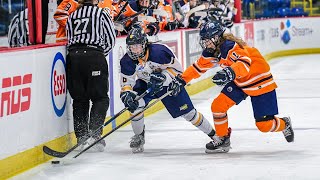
pixel 81 26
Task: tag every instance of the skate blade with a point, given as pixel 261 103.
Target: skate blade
pixel 137 150
pixel 220 150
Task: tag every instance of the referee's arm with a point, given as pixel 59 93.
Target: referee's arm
pixel 108 31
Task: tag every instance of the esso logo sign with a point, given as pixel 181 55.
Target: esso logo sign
pixel 59 84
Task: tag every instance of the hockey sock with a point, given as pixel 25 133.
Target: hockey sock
pixel 137 123
pixel 199 121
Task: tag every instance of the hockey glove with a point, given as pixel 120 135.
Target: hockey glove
pixel 171 26
pixel 128 99
pixel 224 76
pixel 176 85
pixel 153 29
pixel 156 82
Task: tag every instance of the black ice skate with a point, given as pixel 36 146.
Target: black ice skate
pixel 219 144
pixel 288 131
pixel 137 142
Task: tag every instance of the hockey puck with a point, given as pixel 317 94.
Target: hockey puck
pixel 55 162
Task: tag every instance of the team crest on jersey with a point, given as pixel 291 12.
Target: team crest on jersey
pixel 229 89
pixel 141 69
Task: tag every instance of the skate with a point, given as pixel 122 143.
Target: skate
pixel 137 142
pixel 219 144
pixel 288 131
pixel 99 146
pixel 83 145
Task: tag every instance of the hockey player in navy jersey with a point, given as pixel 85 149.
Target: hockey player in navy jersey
pixel 147 65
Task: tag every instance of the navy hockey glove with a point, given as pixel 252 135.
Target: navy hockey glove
pixel 156 82
pixel 171 26
pixel 176 85
pixel 224 76
pixel 128 99
pixel 153 29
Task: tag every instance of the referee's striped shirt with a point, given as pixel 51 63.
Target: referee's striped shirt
pixel 18 34
pixel 91 25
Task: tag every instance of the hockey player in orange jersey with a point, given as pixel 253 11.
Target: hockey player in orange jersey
pixel 65 8
pixel 245 73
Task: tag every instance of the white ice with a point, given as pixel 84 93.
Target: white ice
pixel 174 149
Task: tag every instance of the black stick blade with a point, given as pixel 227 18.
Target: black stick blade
pixel 54 153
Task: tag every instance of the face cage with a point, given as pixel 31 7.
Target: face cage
pixel 135 56
pixel 204 44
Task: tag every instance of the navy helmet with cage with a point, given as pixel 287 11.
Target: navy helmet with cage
pixel 136 43
pixel 211 33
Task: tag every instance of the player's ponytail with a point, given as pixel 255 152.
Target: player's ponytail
pixel 231 37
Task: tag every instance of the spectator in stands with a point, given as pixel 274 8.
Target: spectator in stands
pixel 163 12
pixel 195 20
pixel 135 9
pixel 177 11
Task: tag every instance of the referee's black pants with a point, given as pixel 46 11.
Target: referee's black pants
pixel 87 74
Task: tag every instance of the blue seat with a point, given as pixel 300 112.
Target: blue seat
pixel 298 12
pixel 272 7
pixel 286 3
pixel 283 12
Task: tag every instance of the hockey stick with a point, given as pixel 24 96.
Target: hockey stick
pixel 131 17
pixel 160 12
pixel 146 18
pixel 59 154
pixel 195 9
pixel 145 108
pixel 120 26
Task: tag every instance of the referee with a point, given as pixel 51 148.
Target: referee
pixel 18 34
pixel 91 37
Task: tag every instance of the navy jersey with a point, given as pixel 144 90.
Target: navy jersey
pixel 159 56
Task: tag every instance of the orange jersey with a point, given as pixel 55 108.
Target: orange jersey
pixel 163 20
pixel 252 71
pixel 61 15
pixel 108 6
